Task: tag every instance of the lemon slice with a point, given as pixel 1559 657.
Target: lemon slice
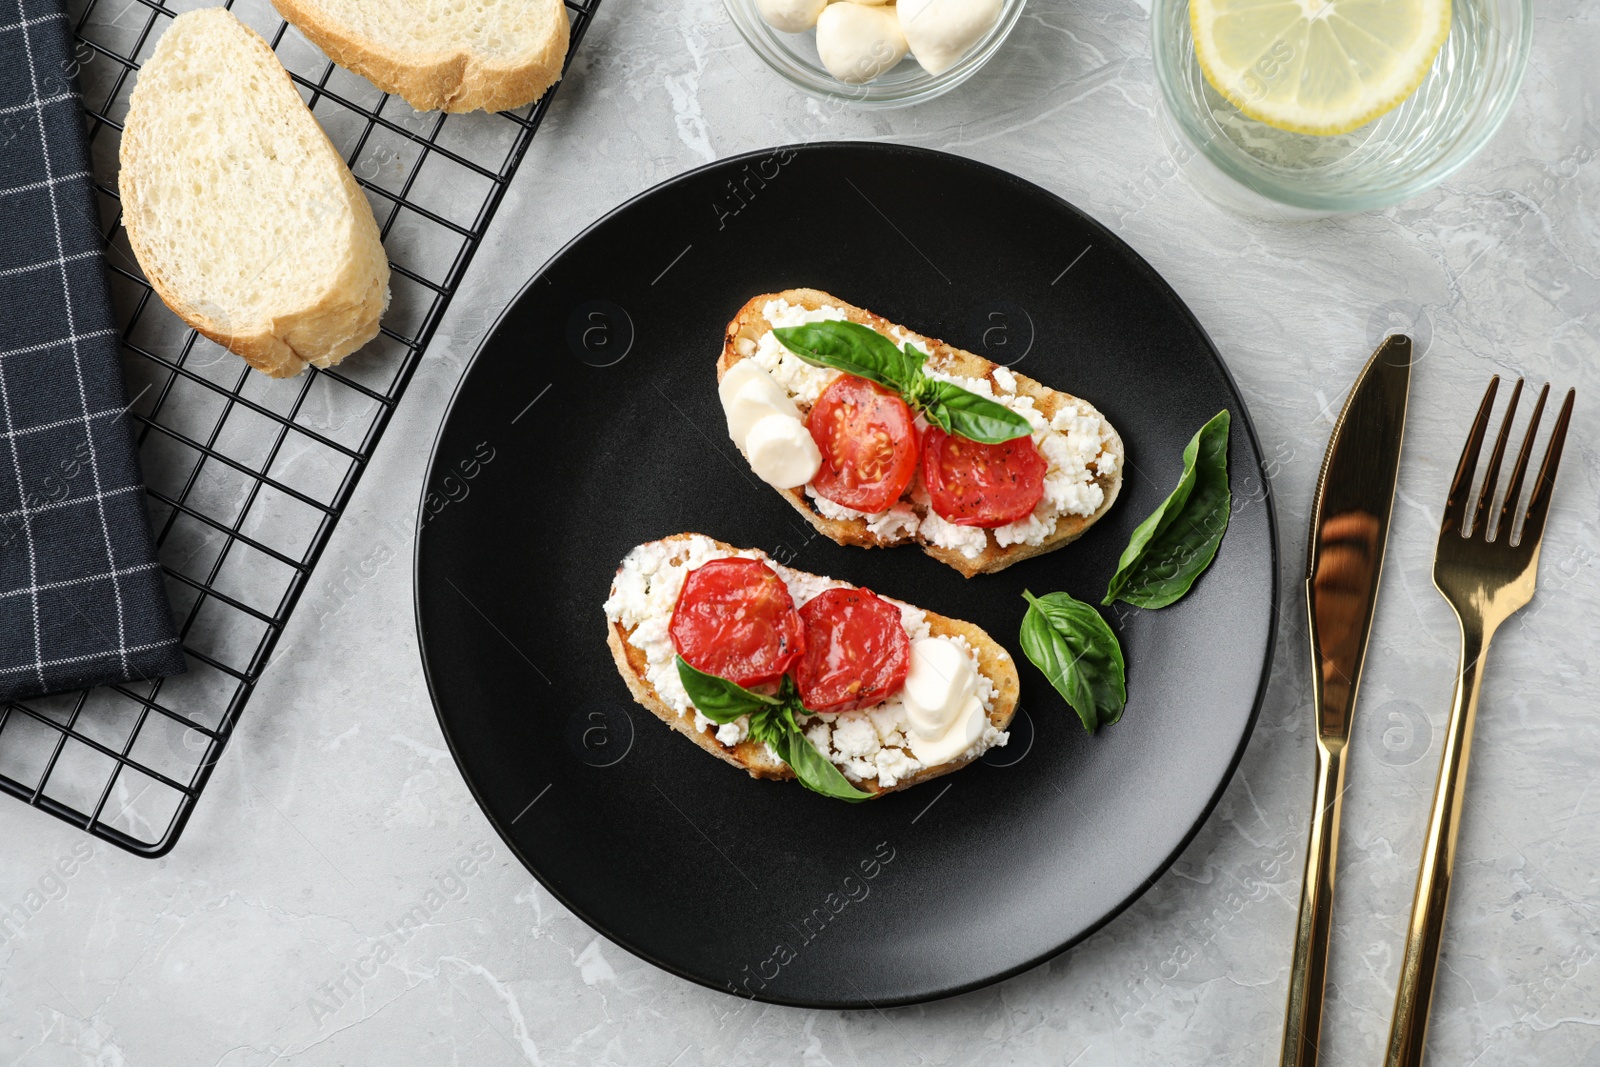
pixel 1317 66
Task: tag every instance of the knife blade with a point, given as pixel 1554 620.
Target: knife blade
pixel 1344 561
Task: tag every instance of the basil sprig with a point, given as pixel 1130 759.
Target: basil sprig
pixel 772 720
pixel 1178 541
pixel 854 349
pixel 1075 648
pixel 866 353
pixel 718 699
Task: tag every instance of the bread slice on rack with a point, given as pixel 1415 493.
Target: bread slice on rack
pixel 244 218
pixel 440 55
pixel 993 662
pixel 744 339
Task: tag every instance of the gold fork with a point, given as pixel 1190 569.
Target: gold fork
pixel 1485 576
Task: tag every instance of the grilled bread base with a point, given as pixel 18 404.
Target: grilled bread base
pixel 750 325
pixel 993 661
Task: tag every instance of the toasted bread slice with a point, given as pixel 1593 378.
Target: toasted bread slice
pixel 751 324
pixel 440 56
pixel 244 218
pixel 993 662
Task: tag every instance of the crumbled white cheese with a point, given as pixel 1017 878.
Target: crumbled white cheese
pixel 993 737
pixel 1004 379
pixel 900 520
pixel 820 733
pixel 914 619
pixel 893 764
pixel 970 541
pixel 803 381
pixel 854 735
pixel 902 337
pixel 867 743
pixel 889 724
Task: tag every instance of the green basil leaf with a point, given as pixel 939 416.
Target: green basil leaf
pixel 766 725
pixel 718 699
pixel 854 349
pixel 965 413
pixel 1177 542
pixel 1075 648
pixel 815 771
pixel 920 399
pixel 866 353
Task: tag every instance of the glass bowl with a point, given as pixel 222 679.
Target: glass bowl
pixel 794 57
pixel 1252 167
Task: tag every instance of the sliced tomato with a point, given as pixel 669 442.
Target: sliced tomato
pixel 868 443
pixel 735 619
pixel 974 484
pixel 857 652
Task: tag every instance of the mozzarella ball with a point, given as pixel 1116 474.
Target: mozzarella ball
pixel 782 451
pixel 791 16
pixel 858 42
pixel 939 32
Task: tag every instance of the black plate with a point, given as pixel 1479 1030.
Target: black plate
pixel 589 422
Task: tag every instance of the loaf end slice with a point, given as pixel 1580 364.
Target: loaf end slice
pixel 241 213
pixel 492 55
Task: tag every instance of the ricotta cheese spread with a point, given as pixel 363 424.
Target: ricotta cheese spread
pixel 802 381
pixel 871 743
pixel 1073 443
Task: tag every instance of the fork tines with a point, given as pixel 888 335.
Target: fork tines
pixel 1458 519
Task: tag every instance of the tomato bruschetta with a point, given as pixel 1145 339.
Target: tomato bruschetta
pixel 880 436
pixel 791 675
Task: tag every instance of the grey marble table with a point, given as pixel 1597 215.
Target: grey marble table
pixel 269 937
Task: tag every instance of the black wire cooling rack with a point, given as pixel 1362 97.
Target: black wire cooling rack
pixel 248 476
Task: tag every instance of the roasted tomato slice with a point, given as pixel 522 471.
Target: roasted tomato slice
pixel 735 619
pixel 868 443
pixel 974 484
pixel 857 652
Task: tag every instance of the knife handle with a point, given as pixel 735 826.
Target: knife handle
pixel 1309 971
pixel 1408 1031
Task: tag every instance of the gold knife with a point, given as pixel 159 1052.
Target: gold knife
pixel 1349 529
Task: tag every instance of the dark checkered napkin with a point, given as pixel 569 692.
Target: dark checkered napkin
pixel 82 600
